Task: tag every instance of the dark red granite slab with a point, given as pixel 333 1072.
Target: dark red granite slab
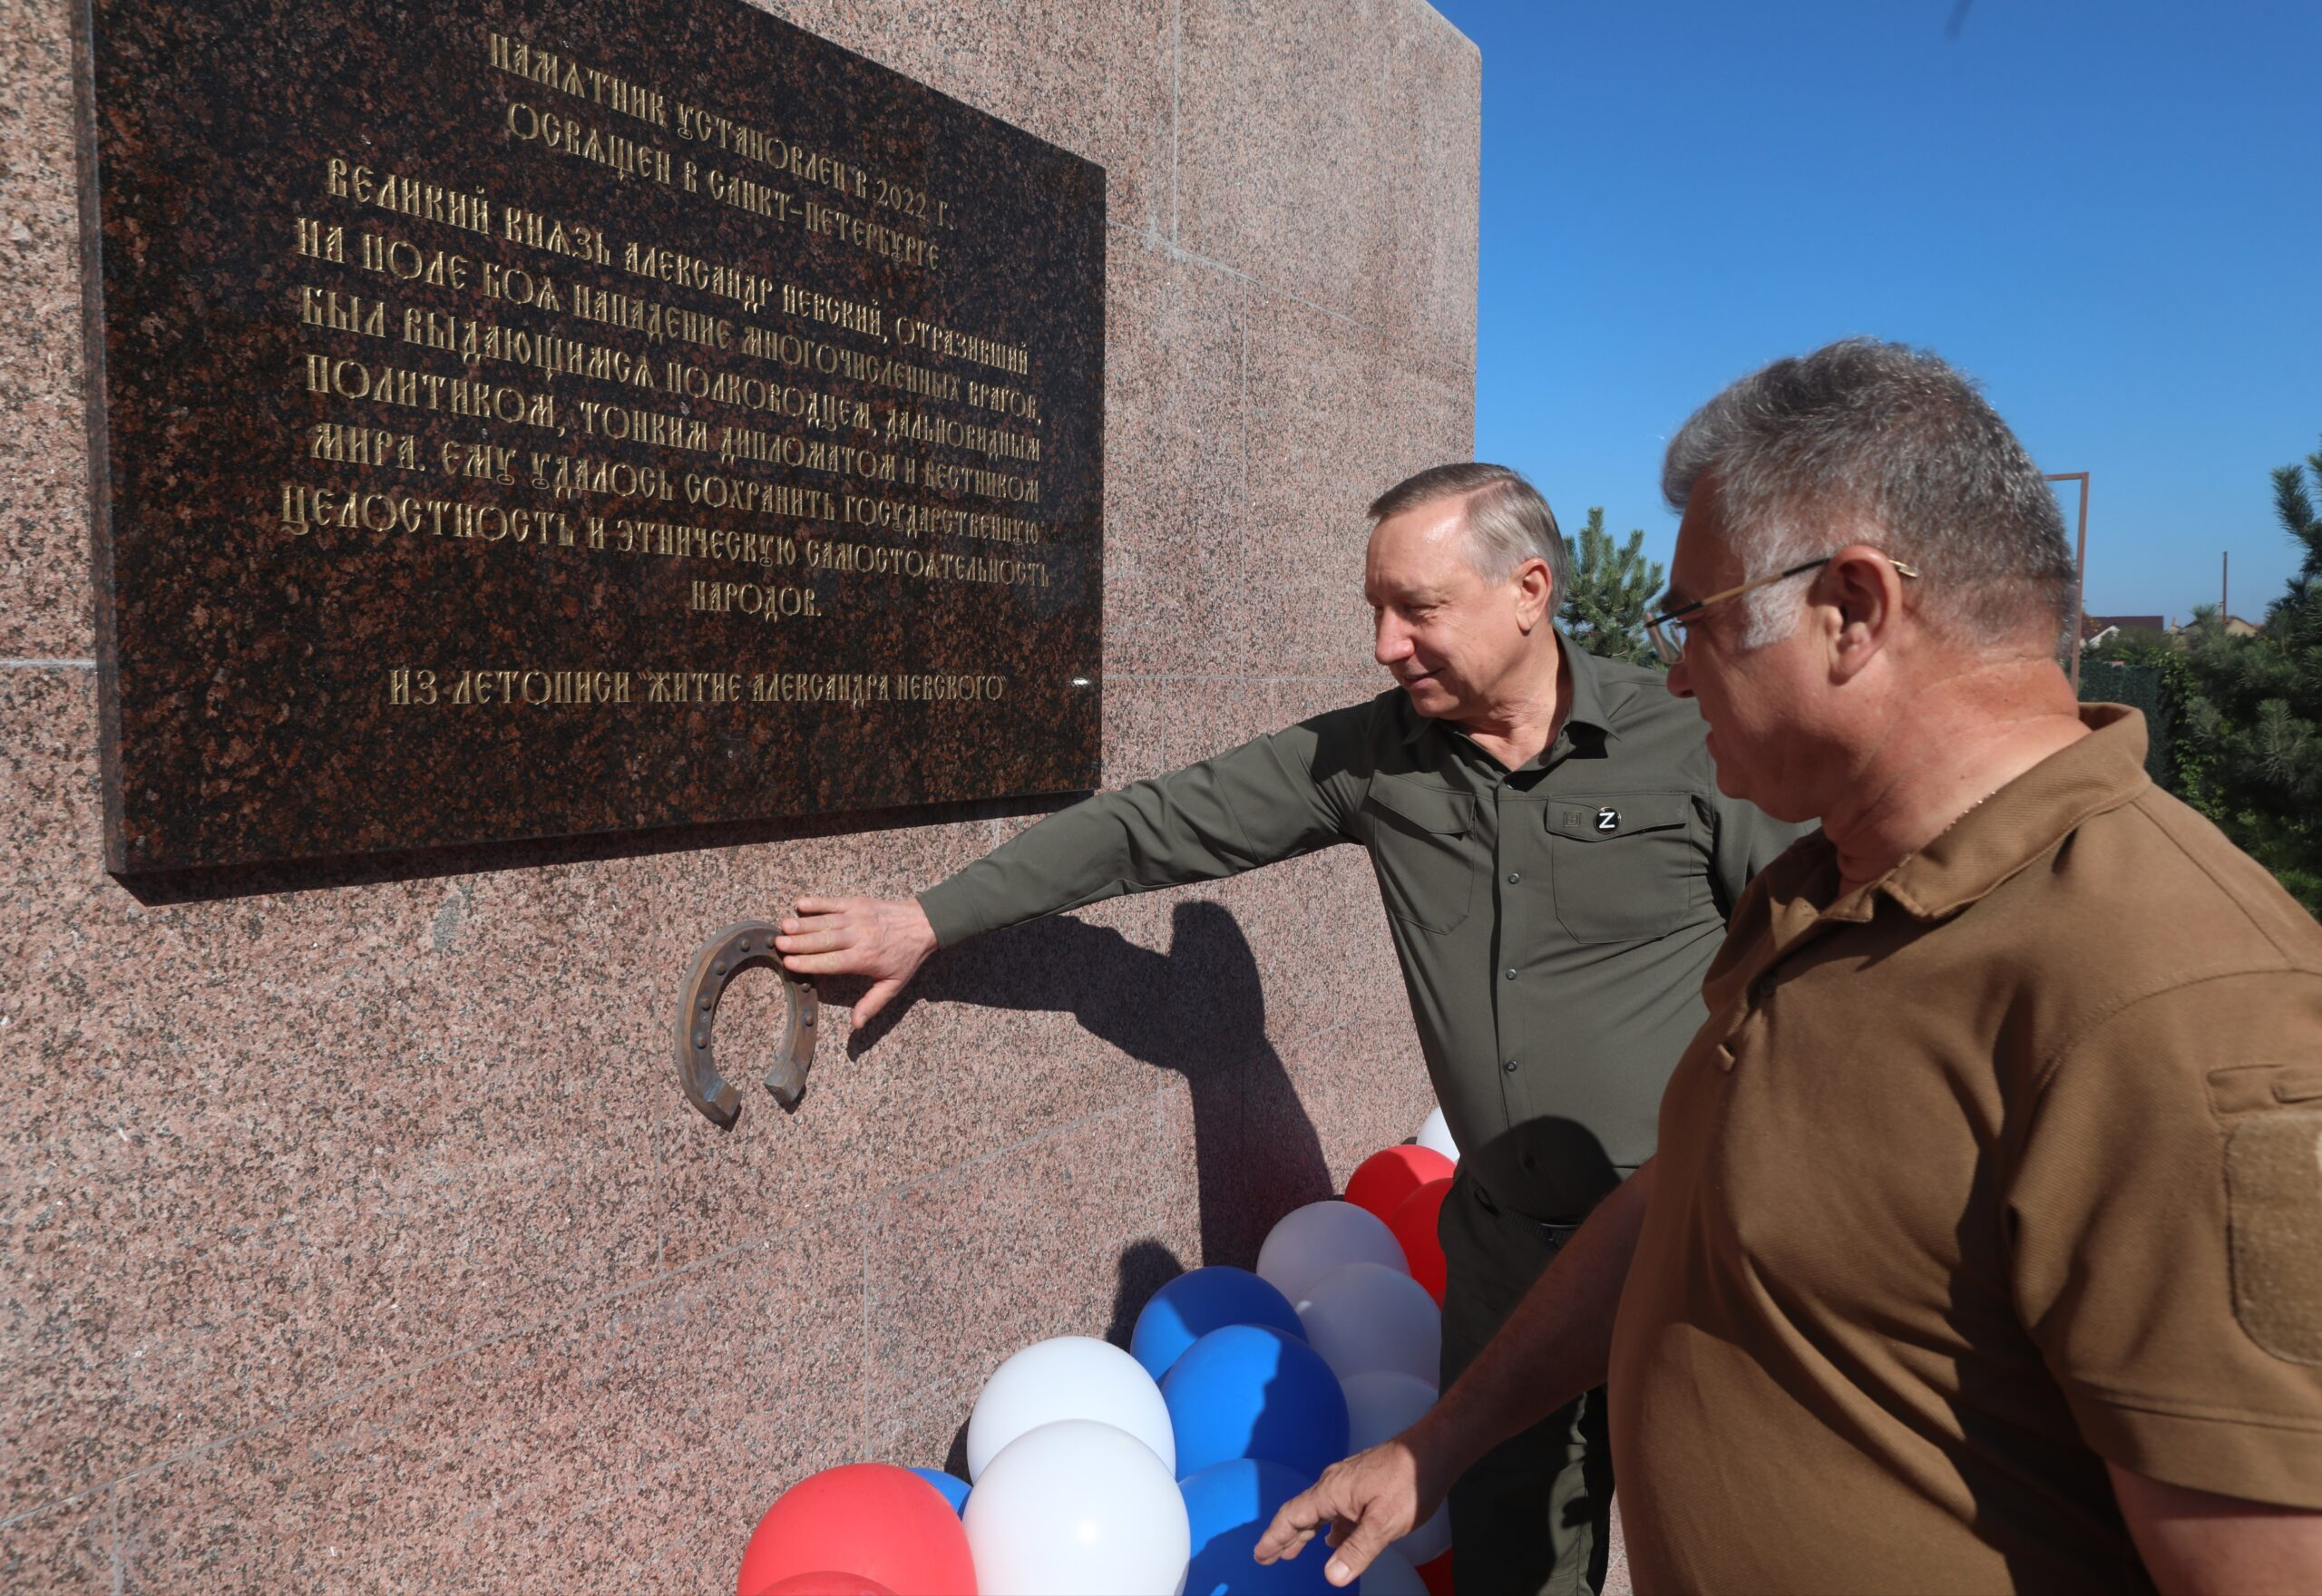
pixel 396 549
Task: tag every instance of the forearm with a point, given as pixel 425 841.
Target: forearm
pixel 1553 1346
pixel 1084 854
pixel 2200 1543
pixel 1249 807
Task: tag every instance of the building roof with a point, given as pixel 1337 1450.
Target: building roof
pixel 2097 625
pixel 2092 624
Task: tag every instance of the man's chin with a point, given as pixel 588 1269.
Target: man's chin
pixel 1729 779
pixel 1735 782
pixel 1428 697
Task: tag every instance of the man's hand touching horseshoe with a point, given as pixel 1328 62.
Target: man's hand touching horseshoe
pixel 883 938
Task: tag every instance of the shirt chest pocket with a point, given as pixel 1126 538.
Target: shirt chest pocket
pixel 1622 866
pixel 1419 847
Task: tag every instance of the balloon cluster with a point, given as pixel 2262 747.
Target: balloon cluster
pixel 1097 1471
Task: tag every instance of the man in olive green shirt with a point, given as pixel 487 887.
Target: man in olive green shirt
pixel 1557 865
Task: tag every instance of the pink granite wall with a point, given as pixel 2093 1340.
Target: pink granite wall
pixel 357 1238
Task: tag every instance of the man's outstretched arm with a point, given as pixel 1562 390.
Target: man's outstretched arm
pixel 1246 807
pixel 1553 1347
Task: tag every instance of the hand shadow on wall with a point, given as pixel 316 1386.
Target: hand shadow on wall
pixel 1198 1009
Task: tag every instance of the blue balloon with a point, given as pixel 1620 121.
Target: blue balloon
pixel 955 1488
pixel 1250 1391
pixel 1191 1306
pixel 1230 1504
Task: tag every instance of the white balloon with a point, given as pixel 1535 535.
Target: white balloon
pixel 1075 1507
pixel 1309 1242
pixel 1071 1377
pixel 1380 1406
pixel 1390 1573
pixel 1435 1133
pixel 1365 1316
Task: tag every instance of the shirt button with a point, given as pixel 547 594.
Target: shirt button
pixel 1511 974
pixel 1510 1066
pixel 1763 987
pixel 1514 876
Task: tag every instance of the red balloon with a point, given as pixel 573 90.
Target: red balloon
pixel 825 1584
pixel 1414 1227
pixel 883 1528
pixel 1437 1575
pixel 1382 1181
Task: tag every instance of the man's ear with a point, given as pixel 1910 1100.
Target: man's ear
pixel 1862 591
pixel 1536 592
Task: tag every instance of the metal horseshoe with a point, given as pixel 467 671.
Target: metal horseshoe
pixel 726 954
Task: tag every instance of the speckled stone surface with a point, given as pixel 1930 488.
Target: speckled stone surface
pixel 1315 141
pixel 548 1458
pixel 65 1550
pixel 395 516
pixel 354 1234
pixel 45 598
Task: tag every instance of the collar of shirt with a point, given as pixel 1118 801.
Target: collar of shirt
pixel 1587 707
pixel 1982 848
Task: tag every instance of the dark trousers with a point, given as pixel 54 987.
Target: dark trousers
pixel 1534 1516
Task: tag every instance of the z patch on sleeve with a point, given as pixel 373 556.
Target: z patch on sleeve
pixel 2273 1179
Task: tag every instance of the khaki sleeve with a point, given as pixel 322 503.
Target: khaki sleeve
pixel 1272 798
pixel 2165 1217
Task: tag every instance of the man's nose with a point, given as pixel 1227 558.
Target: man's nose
pixel 1681 678
pixel 1391 642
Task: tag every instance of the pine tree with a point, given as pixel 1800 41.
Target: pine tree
pixel 2294 507
pixel 2251 738
pixel 1610 594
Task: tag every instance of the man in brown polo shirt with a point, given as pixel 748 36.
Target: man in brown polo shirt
pixel 1982 1249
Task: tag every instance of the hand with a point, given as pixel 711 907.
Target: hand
pixel 886 939
pixel 1370 1501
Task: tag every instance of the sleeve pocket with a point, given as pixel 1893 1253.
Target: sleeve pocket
pixel 2253 1088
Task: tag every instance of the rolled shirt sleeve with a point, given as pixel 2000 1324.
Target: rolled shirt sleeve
pixel 2165 1219
pixel 1249 807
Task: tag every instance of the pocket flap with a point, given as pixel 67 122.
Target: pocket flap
pixel 2251 1088
pixel 1430 809
pixel 1607 816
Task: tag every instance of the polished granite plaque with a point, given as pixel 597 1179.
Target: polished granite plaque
pixel 525 420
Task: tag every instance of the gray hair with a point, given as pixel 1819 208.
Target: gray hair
pixel 1886 444
pixel 1508 521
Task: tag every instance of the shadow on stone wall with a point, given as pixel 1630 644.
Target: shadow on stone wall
pixel 1198 1009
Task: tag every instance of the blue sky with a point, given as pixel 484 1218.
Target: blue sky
pixel 2109 213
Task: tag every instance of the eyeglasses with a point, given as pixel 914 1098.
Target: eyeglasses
pixel 1668 628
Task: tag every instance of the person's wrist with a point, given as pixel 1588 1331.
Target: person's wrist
pixel 1443 1446
pixel 922 929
